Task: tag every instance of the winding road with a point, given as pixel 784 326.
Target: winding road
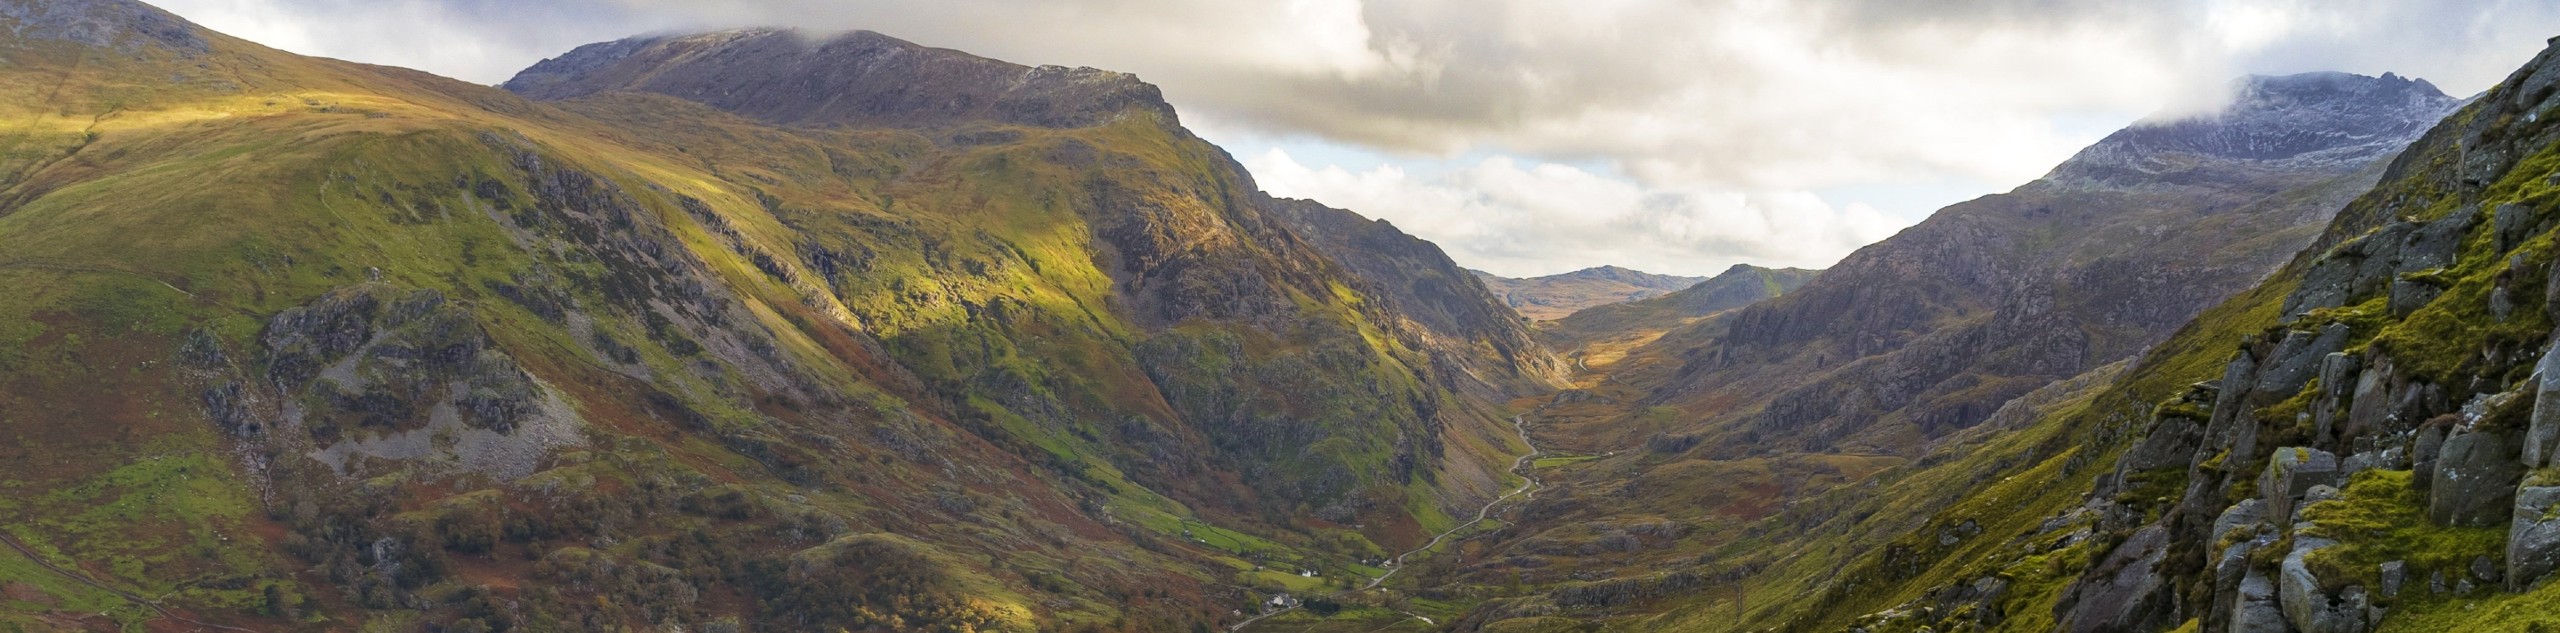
pixel 1528 489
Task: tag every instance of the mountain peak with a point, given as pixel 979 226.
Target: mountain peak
pixel 856 78
pixel 123 25
pixel 2308 119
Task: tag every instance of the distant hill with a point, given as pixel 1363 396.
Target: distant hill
pixel 1557 296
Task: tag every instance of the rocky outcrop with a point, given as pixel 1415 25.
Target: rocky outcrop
pixel 371 372
pixel 2386 260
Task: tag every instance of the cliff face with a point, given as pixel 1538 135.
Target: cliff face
pixel 741 330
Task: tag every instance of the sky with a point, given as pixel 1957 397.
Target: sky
pixel 1532 137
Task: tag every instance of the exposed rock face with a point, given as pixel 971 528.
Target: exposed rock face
pixel 2377 262
pixel 2475 480
pixel 855 79
pixel 373 372
pixel 2128 593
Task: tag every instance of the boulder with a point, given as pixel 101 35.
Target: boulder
pixel 2309 607
pixel 2292 471
pixel 2394 575
pixel 2543 435
pixel 2369 406
pixel 2475 480
pixel 2533 536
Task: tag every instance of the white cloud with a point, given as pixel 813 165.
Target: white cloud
pixel 1685 96
pixel 1520 218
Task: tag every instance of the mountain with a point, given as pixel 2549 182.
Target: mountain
pixel 749 330
pixel 2358 442
pixel 1735 288
pixel 1923 368
pixel 1936 327
pixel 1556 296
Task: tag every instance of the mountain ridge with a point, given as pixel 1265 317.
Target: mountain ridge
pixel 1556 296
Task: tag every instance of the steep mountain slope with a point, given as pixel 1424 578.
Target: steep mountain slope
pixel 1922 363
pixel 2359 443
pixel 303 344
pixel 1557 296
pixel 1934 328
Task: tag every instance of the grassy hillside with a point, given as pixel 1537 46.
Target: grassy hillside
pixel 2347 446
pixel 303 344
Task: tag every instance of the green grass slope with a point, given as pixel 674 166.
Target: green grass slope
pixel 296 344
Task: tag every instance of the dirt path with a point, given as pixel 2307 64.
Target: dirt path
pixel 1528 490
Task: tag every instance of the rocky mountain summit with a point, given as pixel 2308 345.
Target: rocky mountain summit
pixel 2325 120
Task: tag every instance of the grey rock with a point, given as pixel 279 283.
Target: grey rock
pixel 2172 443
pixel 2408 295
pixel 2369 409
pixel 2248 514
pixel 2394 575
pixel 2257 609
pixel 2134 596
pixel 2423 449
pixel 2297 359
pixel 2475 480
pixel 2502 304
pixel 2436 244
pixel 2307 606
pixel 2515 224
pixel 2292 471
pixel 2391 458
pixel 2533 537
pixel 2543 434
pixel 2337 388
